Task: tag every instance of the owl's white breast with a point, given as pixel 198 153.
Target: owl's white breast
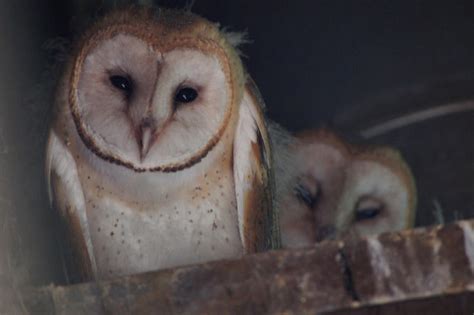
pixel 146 221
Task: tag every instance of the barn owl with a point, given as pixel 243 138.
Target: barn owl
pixel 328 188
pixel 158 152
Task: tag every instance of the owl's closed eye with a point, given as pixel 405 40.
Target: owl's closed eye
pixel 340 189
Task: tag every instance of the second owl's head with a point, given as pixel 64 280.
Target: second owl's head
pixel 349 189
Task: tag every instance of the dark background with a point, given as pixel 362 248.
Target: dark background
pixel 316 63
pixel 311 59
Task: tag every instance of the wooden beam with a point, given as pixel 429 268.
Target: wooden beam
pixel 386 274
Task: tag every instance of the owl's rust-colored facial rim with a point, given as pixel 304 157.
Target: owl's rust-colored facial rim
pixel 205 45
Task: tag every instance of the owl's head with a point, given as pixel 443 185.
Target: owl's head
pixel 347 189
pixel 154 90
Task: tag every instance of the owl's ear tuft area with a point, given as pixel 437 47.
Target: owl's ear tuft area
pixel 189 5
pixel 236 39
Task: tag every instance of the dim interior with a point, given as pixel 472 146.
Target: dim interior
pixel 349 67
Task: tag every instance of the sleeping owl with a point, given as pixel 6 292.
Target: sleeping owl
pixel 158 153
pixel 328 188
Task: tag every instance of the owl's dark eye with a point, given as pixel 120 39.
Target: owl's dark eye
pixel 368 213
pixel 122 83
pixel 186 95
pixel 306 196
pixel 367 208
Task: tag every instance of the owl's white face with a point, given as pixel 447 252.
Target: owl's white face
pixel 344 192
pixel 149 108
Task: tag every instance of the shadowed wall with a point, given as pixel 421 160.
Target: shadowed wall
pixel 313 61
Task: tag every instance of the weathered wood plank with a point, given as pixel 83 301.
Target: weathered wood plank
pixel 388 274
pixel 456 304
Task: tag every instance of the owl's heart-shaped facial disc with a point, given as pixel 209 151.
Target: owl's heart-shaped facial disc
pixel 150 107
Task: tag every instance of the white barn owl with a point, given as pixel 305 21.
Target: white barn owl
pixel 330 189
pixel 158 153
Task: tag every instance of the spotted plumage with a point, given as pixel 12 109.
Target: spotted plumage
pixel 158 153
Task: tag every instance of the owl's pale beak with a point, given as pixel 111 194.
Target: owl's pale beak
pixel 146 137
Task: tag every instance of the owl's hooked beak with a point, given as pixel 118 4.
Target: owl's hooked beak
pixel 146 136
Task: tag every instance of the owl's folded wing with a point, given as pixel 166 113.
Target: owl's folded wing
pixel 258 223
pixel 67 198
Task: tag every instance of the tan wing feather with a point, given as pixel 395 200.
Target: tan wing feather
pixel 258 222
pixel 63 183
